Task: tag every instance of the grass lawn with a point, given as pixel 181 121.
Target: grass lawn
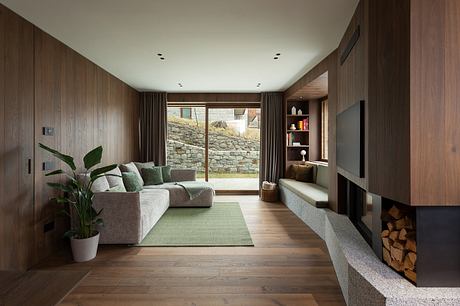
pixel 228 175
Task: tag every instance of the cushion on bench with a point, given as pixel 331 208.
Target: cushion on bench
pixel 314 194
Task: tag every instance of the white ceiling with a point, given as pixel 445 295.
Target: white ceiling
pixel 209 45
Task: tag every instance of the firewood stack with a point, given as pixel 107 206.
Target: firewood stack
pixel 398 238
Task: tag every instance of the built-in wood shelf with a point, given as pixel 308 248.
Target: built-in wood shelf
pixel 306 115
pixel 302 146
pixel 298 131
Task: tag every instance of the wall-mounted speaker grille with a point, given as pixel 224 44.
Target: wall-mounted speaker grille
pixel 351 43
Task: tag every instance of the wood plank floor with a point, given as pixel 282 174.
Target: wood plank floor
pixel 289 265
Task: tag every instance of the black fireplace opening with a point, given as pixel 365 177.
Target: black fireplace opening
pixel 359 207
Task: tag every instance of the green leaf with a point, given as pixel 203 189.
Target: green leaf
pixel 93 157
pixel 55 172
pixel 65 158
pixel 102 170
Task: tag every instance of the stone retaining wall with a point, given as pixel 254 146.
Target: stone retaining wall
pixel 182 155
pixel 218 141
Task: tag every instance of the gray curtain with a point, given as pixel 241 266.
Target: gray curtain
pixel 153 127
pixel 272 137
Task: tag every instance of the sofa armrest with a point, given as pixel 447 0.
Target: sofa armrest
pixel 121 213
pixel 181 175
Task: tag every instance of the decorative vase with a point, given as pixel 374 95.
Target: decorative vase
pixel 84 249
pixel 293 110
pixel 299 112
pixel 292 127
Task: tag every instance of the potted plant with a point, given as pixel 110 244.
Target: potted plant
pixel 84 237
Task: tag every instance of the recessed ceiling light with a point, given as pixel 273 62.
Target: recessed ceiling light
pixel 162 58
pixel 159 54
pixel 258 84
pixel 180 85
pixel 278 54
pixel 276 57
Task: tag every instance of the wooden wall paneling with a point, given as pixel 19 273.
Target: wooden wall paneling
pixel 24 201
pixel 87 107
pixel 44 83
pixel 388 106
pixel 102 112
pixel 214 97
pixel 452 102
pixel 329 67
pixel 309 77
pixel 318 88
pixel 427 102
pixel 352 77
pixel 49 79
pixel 332 109
pixel 16 140
pixel 314 148
pixel 4 224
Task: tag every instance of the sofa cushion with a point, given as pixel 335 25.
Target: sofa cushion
pixel 117 188
pixel 153 205
pixel 99 185
pixel 152 176
pixel 322 176
pixel 140 166
pixel 314 194
pixel 291 172
pixel 304 173
pixel 131 167
pixel 178 196
pixel 115 181
pixel 166 173
pixel 131 182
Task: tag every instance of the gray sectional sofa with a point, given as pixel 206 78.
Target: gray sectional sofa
pixel 129 216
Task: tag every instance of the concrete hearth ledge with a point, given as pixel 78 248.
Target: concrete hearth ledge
pixel 363 278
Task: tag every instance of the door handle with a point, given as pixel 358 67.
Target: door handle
pixel 29 166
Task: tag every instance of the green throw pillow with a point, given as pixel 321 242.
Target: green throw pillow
pixel 166 173
pixel 131 182
pixel 117 188
pixel 152 176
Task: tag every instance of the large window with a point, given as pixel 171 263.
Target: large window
pixel 186 112
pixel 324 129
pixel 222 143
pixel 186 138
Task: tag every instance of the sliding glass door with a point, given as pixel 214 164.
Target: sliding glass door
pixel 222 143
pixel 186 138
pixel 233 148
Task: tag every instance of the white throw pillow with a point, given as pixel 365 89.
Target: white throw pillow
pixel 99 185
pixel 131 167
pixel 115 180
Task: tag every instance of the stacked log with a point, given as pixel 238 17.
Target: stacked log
pixel 398 240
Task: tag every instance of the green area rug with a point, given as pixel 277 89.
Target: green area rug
pixel 221 225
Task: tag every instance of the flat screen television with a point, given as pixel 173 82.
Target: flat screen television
pixel 350 139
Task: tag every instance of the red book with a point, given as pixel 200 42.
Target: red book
pixel 305 124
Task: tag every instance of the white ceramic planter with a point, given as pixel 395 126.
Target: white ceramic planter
pixel 84 249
